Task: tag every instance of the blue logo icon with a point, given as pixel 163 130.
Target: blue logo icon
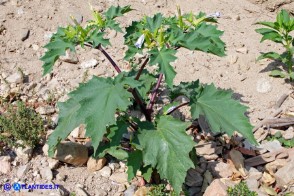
pixel 16 186
pixel 7 187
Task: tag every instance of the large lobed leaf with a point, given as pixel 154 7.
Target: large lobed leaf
pixel 94 104
pixel 163 58
pixel 223 113
pixel 56 48
pixel 205 38
pixel 166 147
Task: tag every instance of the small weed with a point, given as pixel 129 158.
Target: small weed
pixel 283 141
pixel 240 189
pixel 279 32
pixel 18 122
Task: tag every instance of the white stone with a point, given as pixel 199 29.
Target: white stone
pixel 89 64
pixel 15 78
pixel 105 172
pixel 263 85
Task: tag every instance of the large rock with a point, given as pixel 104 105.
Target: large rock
pixel 70 152
pixel 95 164
pixel 285 174
pixel 216 188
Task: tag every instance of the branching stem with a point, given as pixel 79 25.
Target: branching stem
pixel 133 91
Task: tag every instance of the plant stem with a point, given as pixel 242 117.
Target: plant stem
pixel 179 106
pixel 133 91
pixel 154 92
pixel 99 47
pixel 141 69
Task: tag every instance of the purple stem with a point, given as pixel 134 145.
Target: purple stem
pixel 133 91
pixel 179 106
pixel 154 92
pixel 141 69
pixel 99 47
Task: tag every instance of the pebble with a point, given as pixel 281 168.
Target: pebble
pixel 24 154
pixel 96 164
pixel 263 86
pixel 15 78
pixel 89 64
pixel 60 177
pixel 119 177
pixel 130 190
pixel 53 163
pixel 80 192
pixel 289 134
pixel 46 173
pixel 242 50
pixel 45 110
pixel 22 170
pixel 70 57
pixel 233 59
pixel 105 172
pixel 5 164
pixel 271 146
pixel 35 47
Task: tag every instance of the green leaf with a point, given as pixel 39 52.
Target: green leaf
pixel 134 163
pixel 146 81
pixel 163 58
pixel 115 135
pixel 147 172
pixel 112 24
pixel 269 24
pixel 96 38
pixel 188 89
pixel 99 99
pixel 269 34
pixel 283 19
pixel 67 122
pixel 114 12
pixel 270 55
pixel 205 38
pixel 277 73
pixel 56 48
pixel 222 112
pixel 291 75
pixel 166 147
pixel 154 23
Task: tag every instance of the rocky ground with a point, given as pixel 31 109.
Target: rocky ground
pixel 25 26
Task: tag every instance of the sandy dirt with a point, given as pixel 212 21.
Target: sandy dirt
pixel 238 71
